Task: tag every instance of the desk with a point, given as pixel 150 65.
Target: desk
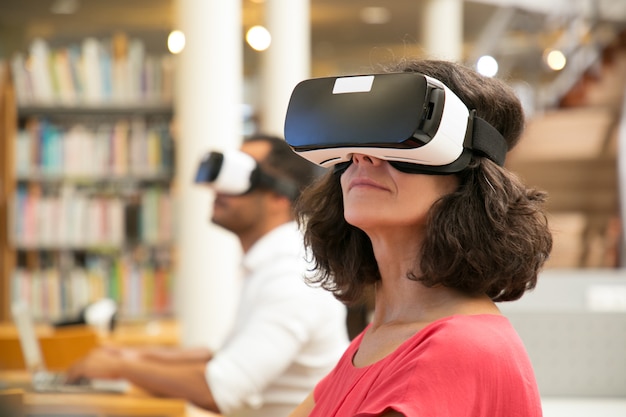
pixel 61 347
pixel 101 405
pixel 135 403
pixel 162 332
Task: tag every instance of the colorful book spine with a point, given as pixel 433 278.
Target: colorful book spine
pixel 94 72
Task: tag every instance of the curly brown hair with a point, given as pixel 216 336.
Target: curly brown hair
pixel 490 236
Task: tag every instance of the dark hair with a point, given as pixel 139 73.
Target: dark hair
pixel 282 163
pixel 490 236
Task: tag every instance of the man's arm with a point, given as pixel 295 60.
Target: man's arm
pixel 178 379
pixel 305 408
pixel 176 355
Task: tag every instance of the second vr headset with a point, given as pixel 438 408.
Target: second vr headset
pixel 236 173
pixel 412 120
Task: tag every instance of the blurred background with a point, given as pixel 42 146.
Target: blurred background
pixel 107 106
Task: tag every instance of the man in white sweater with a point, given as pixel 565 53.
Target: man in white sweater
pixel 286 336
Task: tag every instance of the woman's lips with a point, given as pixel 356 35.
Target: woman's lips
pixel 365 183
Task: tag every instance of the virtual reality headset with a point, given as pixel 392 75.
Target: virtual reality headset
pixel 236 173
pixel 412 120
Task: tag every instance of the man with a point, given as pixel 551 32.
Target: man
pixel 286 335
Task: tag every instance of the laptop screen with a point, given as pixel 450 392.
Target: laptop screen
pixel 31 351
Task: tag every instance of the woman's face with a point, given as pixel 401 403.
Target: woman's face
pixel 376 195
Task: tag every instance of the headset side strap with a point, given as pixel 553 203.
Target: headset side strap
pixel 282 186
pixel 487 140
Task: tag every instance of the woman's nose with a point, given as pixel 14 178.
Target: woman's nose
pixel 359 158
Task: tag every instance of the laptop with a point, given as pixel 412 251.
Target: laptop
pixel 43 380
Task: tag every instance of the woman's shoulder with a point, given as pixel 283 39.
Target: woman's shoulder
pixel 474 328
pixel 458 337
pixel 459 323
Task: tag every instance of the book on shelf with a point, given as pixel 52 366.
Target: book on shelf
pixel 78 218
pixel 117 148
pixel 140 286
pixel 95 71
pixel 63 77
pixel 39 74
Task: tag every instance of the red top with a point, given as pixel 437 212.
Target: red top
pixel 474 366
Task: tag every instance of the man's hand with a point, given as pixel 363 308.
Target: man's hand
pixel 103 363
pixel 175 373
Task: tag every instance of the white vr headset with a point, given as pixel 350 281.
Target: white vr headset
pixel 236 173
pixel 409 119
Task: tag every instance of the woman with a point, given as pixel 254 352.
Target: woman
pixel 439 251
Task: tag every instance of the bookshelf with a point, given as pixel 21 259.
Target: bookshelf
pixel 87 205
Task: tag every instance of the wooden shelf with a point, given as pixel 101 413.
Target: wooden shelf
pixel 106 108
pixel 8 125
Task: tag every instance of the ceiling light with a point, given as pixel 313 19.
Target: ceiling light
pixel 64 6
pixel 555 59
pixel 258 38
pixel 176 41
pixel 375 15
pixel 487 66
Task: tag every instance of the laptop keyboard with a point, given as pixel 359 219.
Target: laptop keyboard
pixel 45 381
pixel 51 380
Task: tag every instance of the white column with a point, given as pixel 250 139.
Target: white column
pixel 621 180
pixel 286 62
pixel 208 112
pixel 442 29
